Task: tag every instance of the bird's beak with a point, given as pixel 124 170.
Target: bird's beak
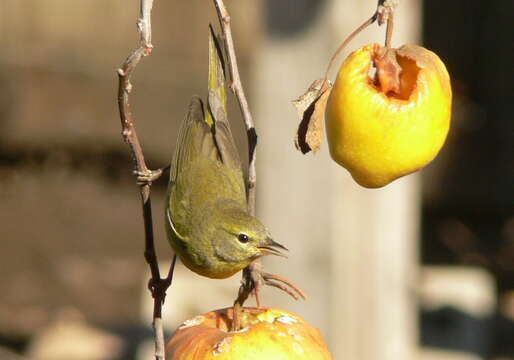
pixel 273 248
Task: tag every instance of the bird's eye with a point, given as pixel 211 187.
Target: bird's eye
pixel 243 238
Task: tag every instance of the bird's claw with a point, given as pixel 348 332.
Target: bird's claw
pixel 253 280
pixel 283 284
pixel 158 287
pixel 146 177
pixel 256 278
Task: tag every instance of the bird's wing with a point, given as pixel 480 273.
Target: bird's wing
pixel 195 140
pixel 223 136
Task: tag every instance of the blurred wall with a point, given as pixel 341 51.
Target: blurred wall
pixel 70 210
pixel 353 249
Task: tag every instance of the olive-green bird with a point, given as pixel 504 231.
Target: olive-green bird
pixel 207 218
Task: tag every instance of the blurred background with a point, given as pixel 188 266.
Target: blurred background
pixel 423 269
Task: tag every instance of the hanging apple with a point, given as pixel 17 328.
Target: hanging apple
pixel 387 125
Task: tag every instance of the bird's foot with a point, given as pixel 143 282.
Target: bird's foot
pixel 158 287
pixel 253 279
pixel 283 284
pixel 149 176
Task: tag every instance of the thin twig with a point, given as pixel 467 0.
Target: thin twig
pixel 130 135
pixel 346 41
pixel 249 283
pixel 157 285
pixel 253 276
pixel 389 30
pixel 237 89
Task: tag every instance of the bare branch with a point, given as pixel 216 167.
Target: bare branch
pixel 250 282
pixel 145 176
pixel 130 136
pixel 144 23
pixel 237 89
pixel 253 276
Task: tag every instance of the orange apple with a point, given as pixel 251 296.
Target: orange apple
pixel 266 334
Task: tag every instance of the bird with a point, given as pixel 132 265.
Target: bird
pixel 207 220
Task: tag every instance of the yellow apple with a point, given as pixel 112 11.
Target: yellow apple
pixel 379 131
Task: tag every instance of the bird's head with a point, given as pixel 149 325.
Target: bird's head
pixel 241 238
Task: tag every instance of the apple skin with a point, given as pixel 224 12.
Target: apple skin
pixel 267 333
pixel 380 137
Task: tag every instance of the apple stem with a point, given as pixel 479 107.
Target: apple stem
pixel 389 29
pixel 383 13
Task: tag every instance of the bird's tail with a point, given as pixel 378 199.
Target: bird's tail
pixel 206 131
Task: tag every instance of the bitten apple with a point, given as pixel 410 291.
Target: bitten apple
pixel 391 124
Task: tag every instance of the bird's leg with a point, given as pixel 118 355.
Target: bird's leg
pixel 158 286
pixel 244 291
pixel 254 277
pixel 149 176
